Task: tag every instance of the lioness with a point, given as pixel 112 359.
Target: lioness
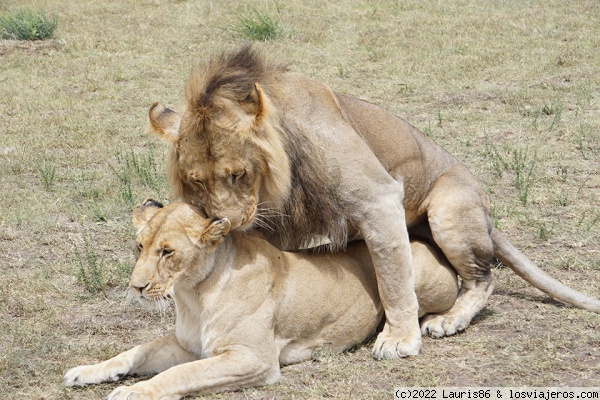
pixel 274 150
pixel 245 307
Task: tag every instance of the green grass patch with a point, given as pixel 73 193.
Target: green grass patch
pixel 27 24
pixel 258 25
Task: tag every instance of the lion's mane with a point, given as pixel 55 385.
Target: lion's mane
pixel 297 194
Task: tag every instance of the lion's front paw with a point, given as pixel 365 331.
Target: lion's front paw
pixel 140 391
pixel 90 374
pixel 440 325
pixel 388 346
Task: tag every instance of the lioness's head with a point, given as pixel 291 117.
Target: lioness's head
pixel 175 245
pixel 227 154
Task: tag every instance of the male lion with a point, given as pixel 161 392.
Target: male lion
pixel 244 307
pixel 274 150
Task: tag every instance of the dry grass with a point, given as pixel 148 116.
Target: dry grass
pixel 494 82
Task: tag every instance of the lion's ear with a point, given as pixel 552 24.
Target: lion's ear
pixel 257 104
pixel 144 212
pixel 215 232
pixel 164 122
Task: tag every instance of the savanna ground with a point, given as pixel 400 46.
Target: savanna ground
pixel 510 87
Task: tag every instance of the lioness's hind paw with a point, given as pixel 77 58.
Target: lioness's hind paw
pixel 388 347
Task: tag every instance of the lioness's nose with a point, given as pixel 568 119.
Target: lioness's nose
pixel 139 286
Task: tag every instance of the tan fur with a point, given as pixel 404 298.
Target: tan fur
pixel 317 163
pixel 244 307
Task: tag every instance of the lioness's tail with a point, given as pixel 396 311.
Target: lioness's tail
pixel 515 260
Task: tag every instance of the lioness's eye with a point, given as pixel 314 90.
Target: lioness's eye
pixel 166 252
pixel 139 247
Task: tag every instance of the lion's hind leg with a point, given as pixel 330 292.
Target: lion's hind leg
pixel 472 298
pixel 459 217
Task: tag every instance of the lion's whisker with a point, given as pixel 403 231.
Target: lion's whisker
pixel 263 203
pixel 272 215
pixel 264 223
pixel 272 212
pixel 263 208
pixel 263 216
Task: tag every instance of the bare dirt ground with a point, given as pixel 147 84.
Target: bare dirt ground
pixel 510 88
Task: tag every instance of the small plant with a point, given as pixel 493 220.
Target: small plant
pixel 495 216
pixel 90 273
pixel 127 194
pixel 547 109
pixel 144 167
pixel 47 172
pixel 258 25
pixel 27 24
pixel 498 162
pixel 563 200
pixel 141 169
pixel 557 110
pixel 562 172
pixel 99 214
pixel 545 230
pixel 522 163
pixel 588 221
pixel 523 168
pixel 428 130
pixel 584 98
pixel 342 71
pixel 582 139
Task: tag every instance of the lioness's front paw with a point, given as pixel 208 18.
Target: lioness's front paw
pixel 90 374
pixel 139 391
pixel 388 347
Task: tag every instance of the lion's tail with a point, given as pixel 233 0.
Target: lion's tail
pixel 515 260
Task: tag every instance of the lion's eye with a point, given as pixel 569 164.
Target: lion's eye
pixel 166 253
pixel 139 247
pixel 200 184
pixel 237 175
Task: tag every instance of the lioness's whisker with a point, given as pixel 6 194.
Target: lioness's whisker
pixel 164 306
pixel 127 298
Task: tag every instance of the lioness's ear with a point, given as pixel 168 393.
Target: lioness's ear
pixel 144 212
pixel 164 122
pixel 215 232
pixel 257 104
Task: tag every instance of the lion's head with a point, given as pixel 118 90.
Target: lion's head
pixel 236 155
pixel 174 246
pixel 222 158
